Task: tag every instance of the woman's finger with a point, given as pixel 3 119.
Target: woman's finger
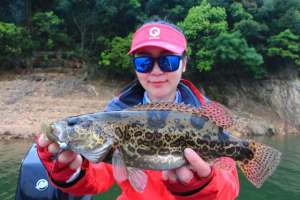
pixel 165 176
pixel 43 140
pixel 53 148
pixel 76 163
pixel 184 174
pixel 172 176
pixel 66 156
pixel 201 167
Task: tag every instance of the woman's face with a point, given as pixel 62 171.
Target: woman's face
pixel 160 86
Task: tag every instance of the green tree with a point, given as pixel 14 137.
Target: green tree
pixel 290 20
pixel 15 42
pixel 116 57
pixel 236 13
pixel 81 19
pixel 213 45
pixel 12 11
pixel 232 50
pixel 221 3
pixel 279 15
pixel 254 32
pixel 89 20
pixel 202 24
pixel 46 31
pixel 204 21
pixel 125 16
pixel 174 10
pixel 285 45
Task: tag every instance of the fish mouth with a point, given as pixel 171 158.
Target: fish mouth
pixel 59 133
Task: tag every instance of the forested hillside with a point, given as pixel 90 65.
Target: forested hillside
pixel 252 37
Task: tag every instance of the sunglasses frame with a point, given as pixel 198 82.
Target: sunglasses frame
pixel 156 60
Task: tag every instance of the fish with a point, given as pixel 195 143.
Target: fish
pixel 153 137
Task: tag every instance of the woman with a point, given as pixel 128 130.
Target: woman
pixel 159 60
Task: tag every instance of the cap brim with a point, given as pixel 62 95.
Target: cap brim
pixel 163 45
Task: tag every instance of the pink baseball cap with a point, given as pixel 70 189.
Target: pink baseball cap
pixel 158 35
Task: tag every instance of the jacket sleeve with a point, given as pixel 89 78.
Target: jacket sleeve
pixel 222 184
pixel 94 179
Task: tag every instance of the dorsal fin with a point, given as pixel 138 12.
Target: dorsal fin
pixel 214 111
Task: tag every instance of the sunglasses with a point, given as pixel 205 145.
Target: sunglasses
pixel 166 63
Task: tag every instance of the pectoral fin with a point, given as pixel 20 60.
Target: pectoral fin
pixel 137 178
pixel 119 168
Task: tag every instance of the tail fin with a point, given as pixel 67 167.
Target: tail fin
pixel 262 165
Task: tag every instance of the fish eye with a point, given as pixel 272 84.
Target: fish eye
pixel 73 121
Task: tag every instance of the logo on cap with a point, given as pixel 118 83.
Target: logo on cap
pixel 154 33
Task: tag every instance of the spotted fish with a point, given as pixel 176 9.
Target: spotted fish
pixel 154 136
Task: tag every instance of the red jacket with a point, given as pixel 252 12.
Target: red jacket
pixel 222 183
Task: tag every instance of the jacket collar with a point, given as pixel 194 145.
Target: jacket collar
pixel 133 95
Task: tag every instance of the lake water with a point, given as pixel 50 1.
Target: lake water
pixel 284 184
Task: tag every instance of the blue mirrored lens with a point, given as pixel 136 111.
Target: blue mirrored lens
pixel 169 63
pixel 143 64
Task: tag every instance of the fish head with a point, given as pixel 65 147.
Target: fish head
pixel 57 132
pixel 82 133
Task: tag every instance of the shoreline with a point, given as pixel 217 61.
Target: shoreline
pixel 30 99
pixel 9 138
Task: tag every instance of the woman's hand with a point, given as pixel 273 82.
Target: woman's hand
pixel 60 165
pixel 197 166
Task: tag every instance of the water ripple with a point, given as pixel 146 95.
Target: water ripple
pixel 11 155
